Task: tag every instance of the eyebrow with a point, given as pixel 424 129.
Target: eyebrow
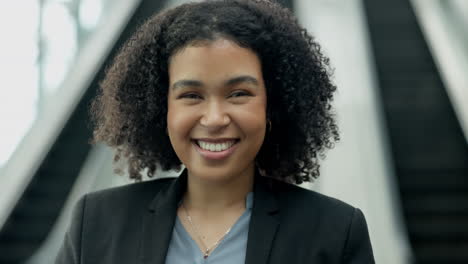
pixel 229 82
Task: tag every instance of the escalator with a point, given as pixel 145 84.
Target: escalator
pixel 428 146
pixel 31 220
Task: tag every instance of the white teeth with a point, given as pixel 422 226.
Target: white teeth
pixel 215 147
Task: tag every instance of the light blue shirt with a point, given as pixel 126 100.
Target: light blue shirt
pixel 231 250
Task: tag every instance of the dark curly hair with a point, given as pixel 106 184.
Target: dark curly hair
pixel 130 110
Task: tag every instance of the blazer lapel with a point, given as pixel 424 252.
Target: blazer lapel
pixel 263 223
pixel 158 222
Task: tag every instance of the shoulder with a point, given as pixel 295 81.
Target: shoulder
pixel 104 212
pixel 307 208
pixel 308 202
pixel 332 227
pixel 124 199
pixel 328 228
pixel 112 215
pixel 139 190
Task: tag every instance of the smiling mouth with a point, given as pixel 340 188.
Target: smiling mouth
pixel 215 146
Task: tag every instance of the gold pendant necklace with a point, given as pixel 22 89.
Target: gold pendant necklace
pixel 207 250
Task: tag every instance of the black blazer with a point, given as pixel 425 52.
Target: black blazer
pixel 133 224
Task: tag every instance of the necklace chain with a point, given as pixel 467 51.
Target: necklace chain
pixel 208 250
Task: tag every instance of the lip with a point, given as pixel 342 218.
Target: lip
pixel 219 155
pixel 215 140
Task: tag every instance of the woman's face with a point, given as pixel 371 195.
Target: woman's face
pixel 216 109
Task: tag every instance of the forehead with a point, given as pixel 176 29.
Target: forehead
pixel 211 61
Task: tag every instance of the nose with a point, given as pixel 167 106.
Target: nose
pixel 215 116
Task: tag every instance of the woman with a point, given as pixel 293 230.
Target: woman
pixel 239 94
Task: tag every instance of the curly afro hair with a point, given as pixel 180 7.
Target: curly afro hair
pixel 130 110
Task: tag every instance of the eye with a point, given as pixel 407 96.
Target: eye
pixel 239 94
pixel 190 96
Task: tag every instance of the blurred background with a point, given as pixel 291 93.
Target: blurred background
pixel 402 107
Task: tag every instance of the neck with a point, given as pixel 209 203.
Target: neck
pixel 209 196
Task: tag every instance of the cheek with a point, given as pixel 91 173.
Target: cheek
pixel 254 121
pixel 178 122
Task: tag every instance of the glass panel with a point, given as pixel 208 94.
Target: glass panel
pixel 36 56
pixel 19 71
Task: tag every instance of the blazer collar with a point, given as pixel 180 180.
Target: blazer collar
pixel 158 222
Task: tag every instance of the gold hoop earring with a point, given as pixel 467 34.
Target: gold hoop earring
pixel 269 125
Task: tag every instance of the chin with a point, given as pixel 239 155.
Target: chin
pixel 213 173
